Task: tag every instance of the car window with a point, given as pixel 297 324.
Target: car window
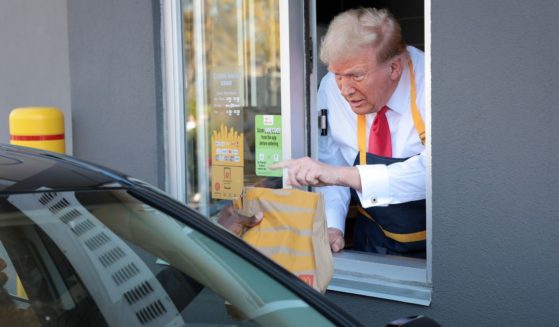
pixel 105 258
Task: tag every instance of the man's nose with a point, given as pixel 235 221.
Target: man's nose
pixel 346 88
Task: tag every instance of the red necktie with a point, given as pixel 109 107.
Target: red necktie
pixel 379 137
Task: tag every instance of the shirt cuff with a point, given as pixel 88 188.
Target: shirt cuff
pixel 334 219
pixel 375 185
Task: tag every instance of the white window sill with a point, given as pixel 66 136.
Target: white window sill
pixel 382 276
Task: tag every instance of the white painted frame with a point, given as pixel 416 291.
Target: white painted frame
pixel 173 99
pixel 292 64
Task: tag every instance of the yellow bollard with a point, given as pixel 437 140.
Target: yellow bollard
pixel 38 127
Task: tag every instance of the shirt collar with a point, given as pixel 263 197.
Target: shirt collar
pixel 400 99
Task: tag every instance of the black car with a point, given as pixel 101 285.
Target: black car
pixel 81 245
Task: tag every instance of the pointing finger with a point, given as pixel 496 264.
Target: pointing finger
pixel 278 165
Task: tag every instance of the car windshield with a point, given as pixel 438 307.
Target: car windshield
pixel 105 258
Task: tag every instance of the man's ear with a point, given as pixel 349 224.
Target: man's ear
pixel 396 66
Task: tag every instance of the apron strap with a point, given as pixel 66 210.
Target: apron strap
pixel 417 120
pixel 416 116
pixel 402 238
pixel 362 139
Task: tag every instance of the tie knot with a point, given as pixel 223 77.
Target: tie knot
pixel 383 110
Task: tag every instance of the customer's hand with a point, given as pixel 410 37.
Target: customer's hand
pixel 336 239
pixel 235 223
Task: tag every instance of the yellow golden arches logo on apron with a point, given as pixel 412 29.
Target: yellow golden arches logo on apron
pixel 293 231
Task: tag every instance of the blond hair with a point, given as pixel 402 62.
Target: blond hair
pixel 358 29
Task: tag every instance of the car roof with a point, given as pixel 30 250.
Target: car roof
pixel 25 169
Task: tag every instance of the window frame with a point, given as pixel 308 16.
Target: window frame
pixel 173 99
pixel 393 278
pixel 386 277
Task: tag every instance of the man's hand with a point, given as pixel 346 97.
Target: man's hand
pixel 336 239
pixel 307 171
pixel 235 223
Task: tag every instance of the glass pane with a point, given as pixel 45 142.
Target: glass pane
pixel 105 258
pixel 232 77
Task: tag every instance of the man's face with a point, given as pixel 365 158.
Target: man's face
pixel 363 82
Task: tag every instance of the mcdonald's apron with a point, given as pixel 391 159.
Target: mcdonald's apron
pixel 393 229
pixel 396 228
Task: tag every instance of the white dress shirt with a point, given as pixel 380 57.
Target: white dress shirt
pixel 381 185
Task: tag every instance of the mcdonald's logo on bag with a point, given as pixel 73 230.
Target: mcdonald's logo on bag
pixel 309 279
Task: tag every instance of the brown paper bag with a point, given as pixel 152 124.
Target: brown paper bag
pixel 293 231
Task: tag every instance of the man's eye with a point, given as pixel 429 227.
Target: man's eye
pixel 359 77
